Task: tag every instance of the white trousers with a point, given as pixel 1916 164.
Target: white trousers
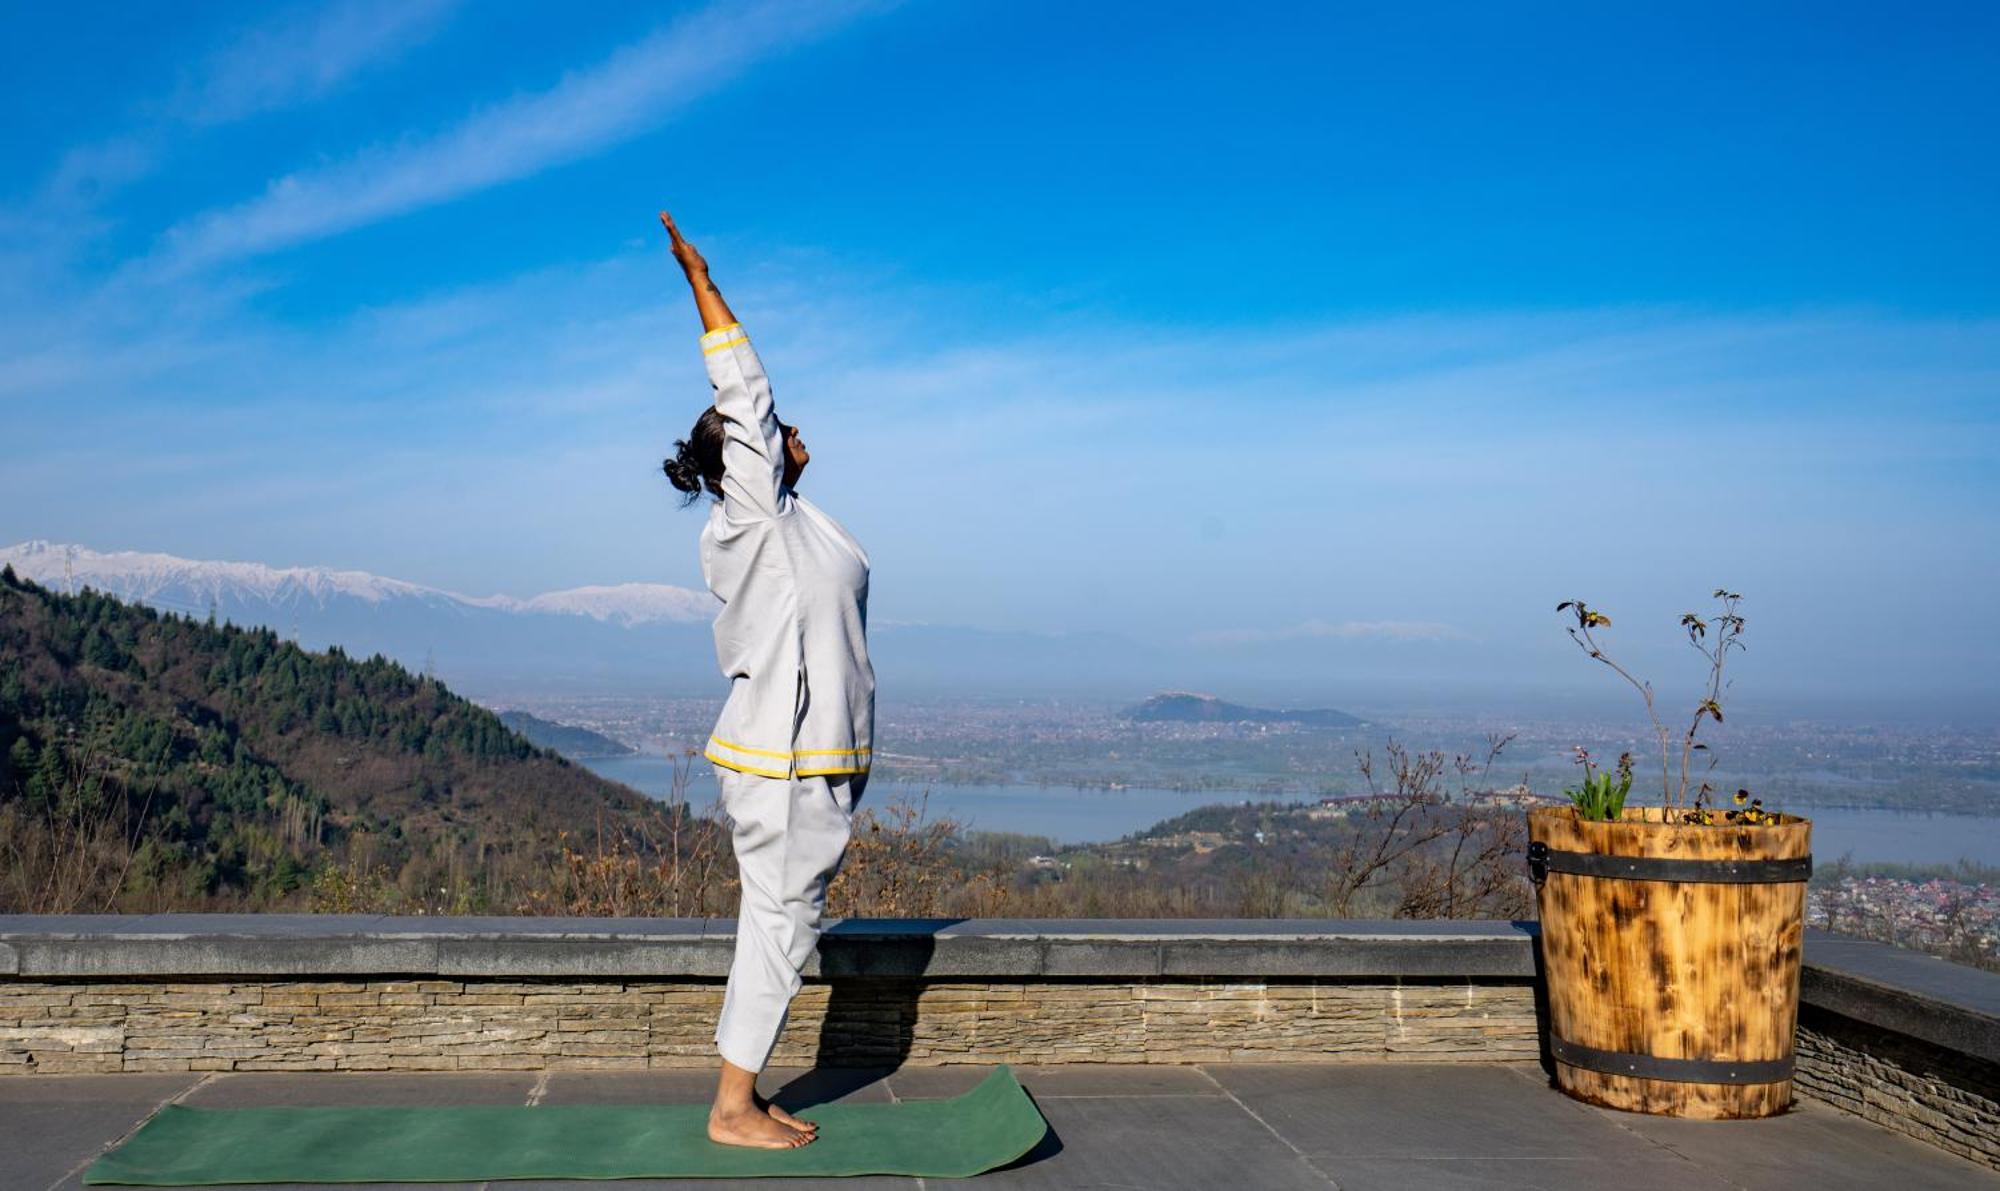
pixel 789 835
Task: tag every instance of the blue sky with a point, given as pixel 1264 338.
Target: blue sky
pixel 1333 329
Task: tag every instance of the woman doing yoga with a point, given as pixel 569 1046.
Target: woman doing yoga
pixel 793 744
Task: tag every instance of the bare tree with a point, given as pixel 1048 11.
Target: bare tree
pixel 1430 840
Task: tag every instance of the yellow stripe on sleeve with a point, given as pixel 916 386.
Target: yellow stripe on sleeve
pixel 731 335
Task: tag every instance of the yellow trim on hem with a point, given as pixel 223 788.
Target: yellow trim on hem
pixel 715 742
pixel 737 748
pixel 742 768
pixel 724 329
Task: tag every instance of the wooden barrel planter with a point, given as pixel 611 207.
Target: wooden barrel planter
pixel 1671 957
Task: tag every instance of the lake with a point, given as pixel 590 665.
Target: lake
pixel 1073 816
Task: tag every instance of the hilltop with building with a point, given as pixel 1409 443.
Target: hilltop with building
pixel 1189 707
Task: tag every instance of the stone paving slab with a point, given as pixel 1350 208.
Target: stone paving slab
pixel 1150 1142
pixel 1524 1174
pixel 1404 1111
pixel 1812 1146
pixel 1407 1127
pixel 51 1126
pixel 1059 1081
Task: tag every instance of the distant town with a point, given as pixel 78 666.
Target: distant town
pixel 1283 782
pixel 1083 745
pixel 1957 917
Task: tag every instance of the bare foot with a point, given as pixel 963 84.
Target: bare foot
pixel 785 1118
pixel 758 1130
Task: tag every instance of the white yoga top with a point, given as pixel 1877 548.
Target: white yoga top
pixel 792 636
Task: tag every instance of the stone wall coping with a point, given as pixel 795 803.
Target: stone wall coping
pixel 145 926
pixel 1905 992
pixel 1951 1006
pixel 118 945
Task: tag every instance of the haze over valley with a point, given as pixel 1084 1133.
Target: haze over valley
pixel 635 662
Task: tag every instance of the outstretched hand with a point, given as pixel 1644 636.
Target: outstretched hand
pixel 715 314
pixel 687 254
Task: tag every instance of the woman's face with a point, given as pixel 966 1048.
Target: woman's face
pixel 796 456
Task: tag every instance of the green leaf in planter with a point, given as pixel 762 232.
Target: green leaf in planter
pixel 1601 797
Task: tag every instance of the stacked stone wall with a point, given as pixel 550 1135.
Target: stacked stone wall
pixel 432 1024
pixel 1948 1099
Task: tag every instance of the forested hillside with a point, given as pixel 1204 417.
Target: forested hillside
pixel 152 761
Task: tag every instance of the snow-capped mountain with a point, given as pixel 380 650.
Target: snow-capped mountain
pixel 588 634
pixel 648 637
pixel 165 580
pixel 627 604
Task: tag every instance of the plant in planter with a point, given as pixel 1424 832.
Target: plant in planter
pixel 1601 796
pixel 1671 934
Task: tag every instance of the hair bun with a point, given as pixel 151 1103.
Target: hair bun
pixel 696 464
pixel 682 470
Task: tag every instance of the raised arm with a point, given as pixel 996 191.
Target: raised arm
pixel 715 314
pixel 753 451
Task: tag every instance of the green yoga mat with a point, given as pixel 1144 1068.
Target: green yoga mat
pixel 990 1126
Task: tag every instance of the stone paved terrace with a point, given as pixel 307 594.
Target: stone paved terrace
pixel 1245 1127
pixel 1234 1054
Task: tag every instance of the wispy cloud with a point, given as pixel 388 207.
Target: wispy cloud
pixel 300 56
pixel 86 172
pixel 1315 497
pixel 304 54
pixel 1314 630
pixel 629 93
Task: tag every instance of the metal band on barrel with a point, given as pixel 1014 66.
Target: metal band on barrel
pixel 1721 1071
pixel 1544 859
